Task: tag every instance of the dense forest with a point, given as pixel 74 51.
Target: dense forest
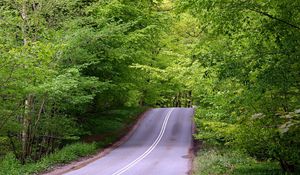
pixel 64 62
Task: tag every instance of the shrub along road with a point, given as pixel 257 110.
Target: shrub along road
pixel 160 145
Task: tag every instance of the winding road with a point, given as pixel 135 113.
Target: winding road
pixel 160 145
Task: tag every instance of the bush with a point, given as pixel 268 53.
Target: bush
pixel 213 130
pixel 216 132
pixel 212 160
pixel 11 166
pixel 70 152
pixel 264 138
pixel 116 121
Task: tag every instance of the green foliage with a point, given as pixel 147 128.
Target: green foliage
pixel 110 125
pixel 71 152
pixel 216 132
pixel 61 60
pixel 10 165
pixel 217 160
pixel 65 62
pixel 261 130
pixel 112 122
pixel 249 51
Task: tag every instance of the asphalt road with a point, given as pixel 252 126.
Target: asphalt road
pixel 159 146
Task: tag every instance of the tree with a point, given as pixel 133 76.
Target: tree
pixel 30 73
pixel 250 49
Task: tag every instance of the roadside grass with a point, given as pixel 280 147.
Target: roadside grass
pixel 11 166
pixel 213 160
pixel 105 128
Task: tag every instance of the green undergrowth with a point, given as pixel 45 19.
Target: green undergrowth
pixel 111 121
pixel 110 125
pixel 213 160
pixel 11 166
pixel 106 127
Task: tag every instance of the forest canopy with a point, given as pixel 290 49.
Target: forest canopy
pixel 238 62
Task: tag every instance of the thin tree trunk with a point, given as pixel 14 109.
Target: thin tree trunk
pixel 26 129
pixel 24 24
pixel 25 116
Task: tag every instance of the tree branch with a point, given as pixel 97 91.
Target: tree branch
pixel 275 18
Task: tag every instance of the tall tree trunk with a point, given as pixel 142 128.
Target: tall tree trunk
pixel 26 115
pixel 24 22
pixel 25 124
